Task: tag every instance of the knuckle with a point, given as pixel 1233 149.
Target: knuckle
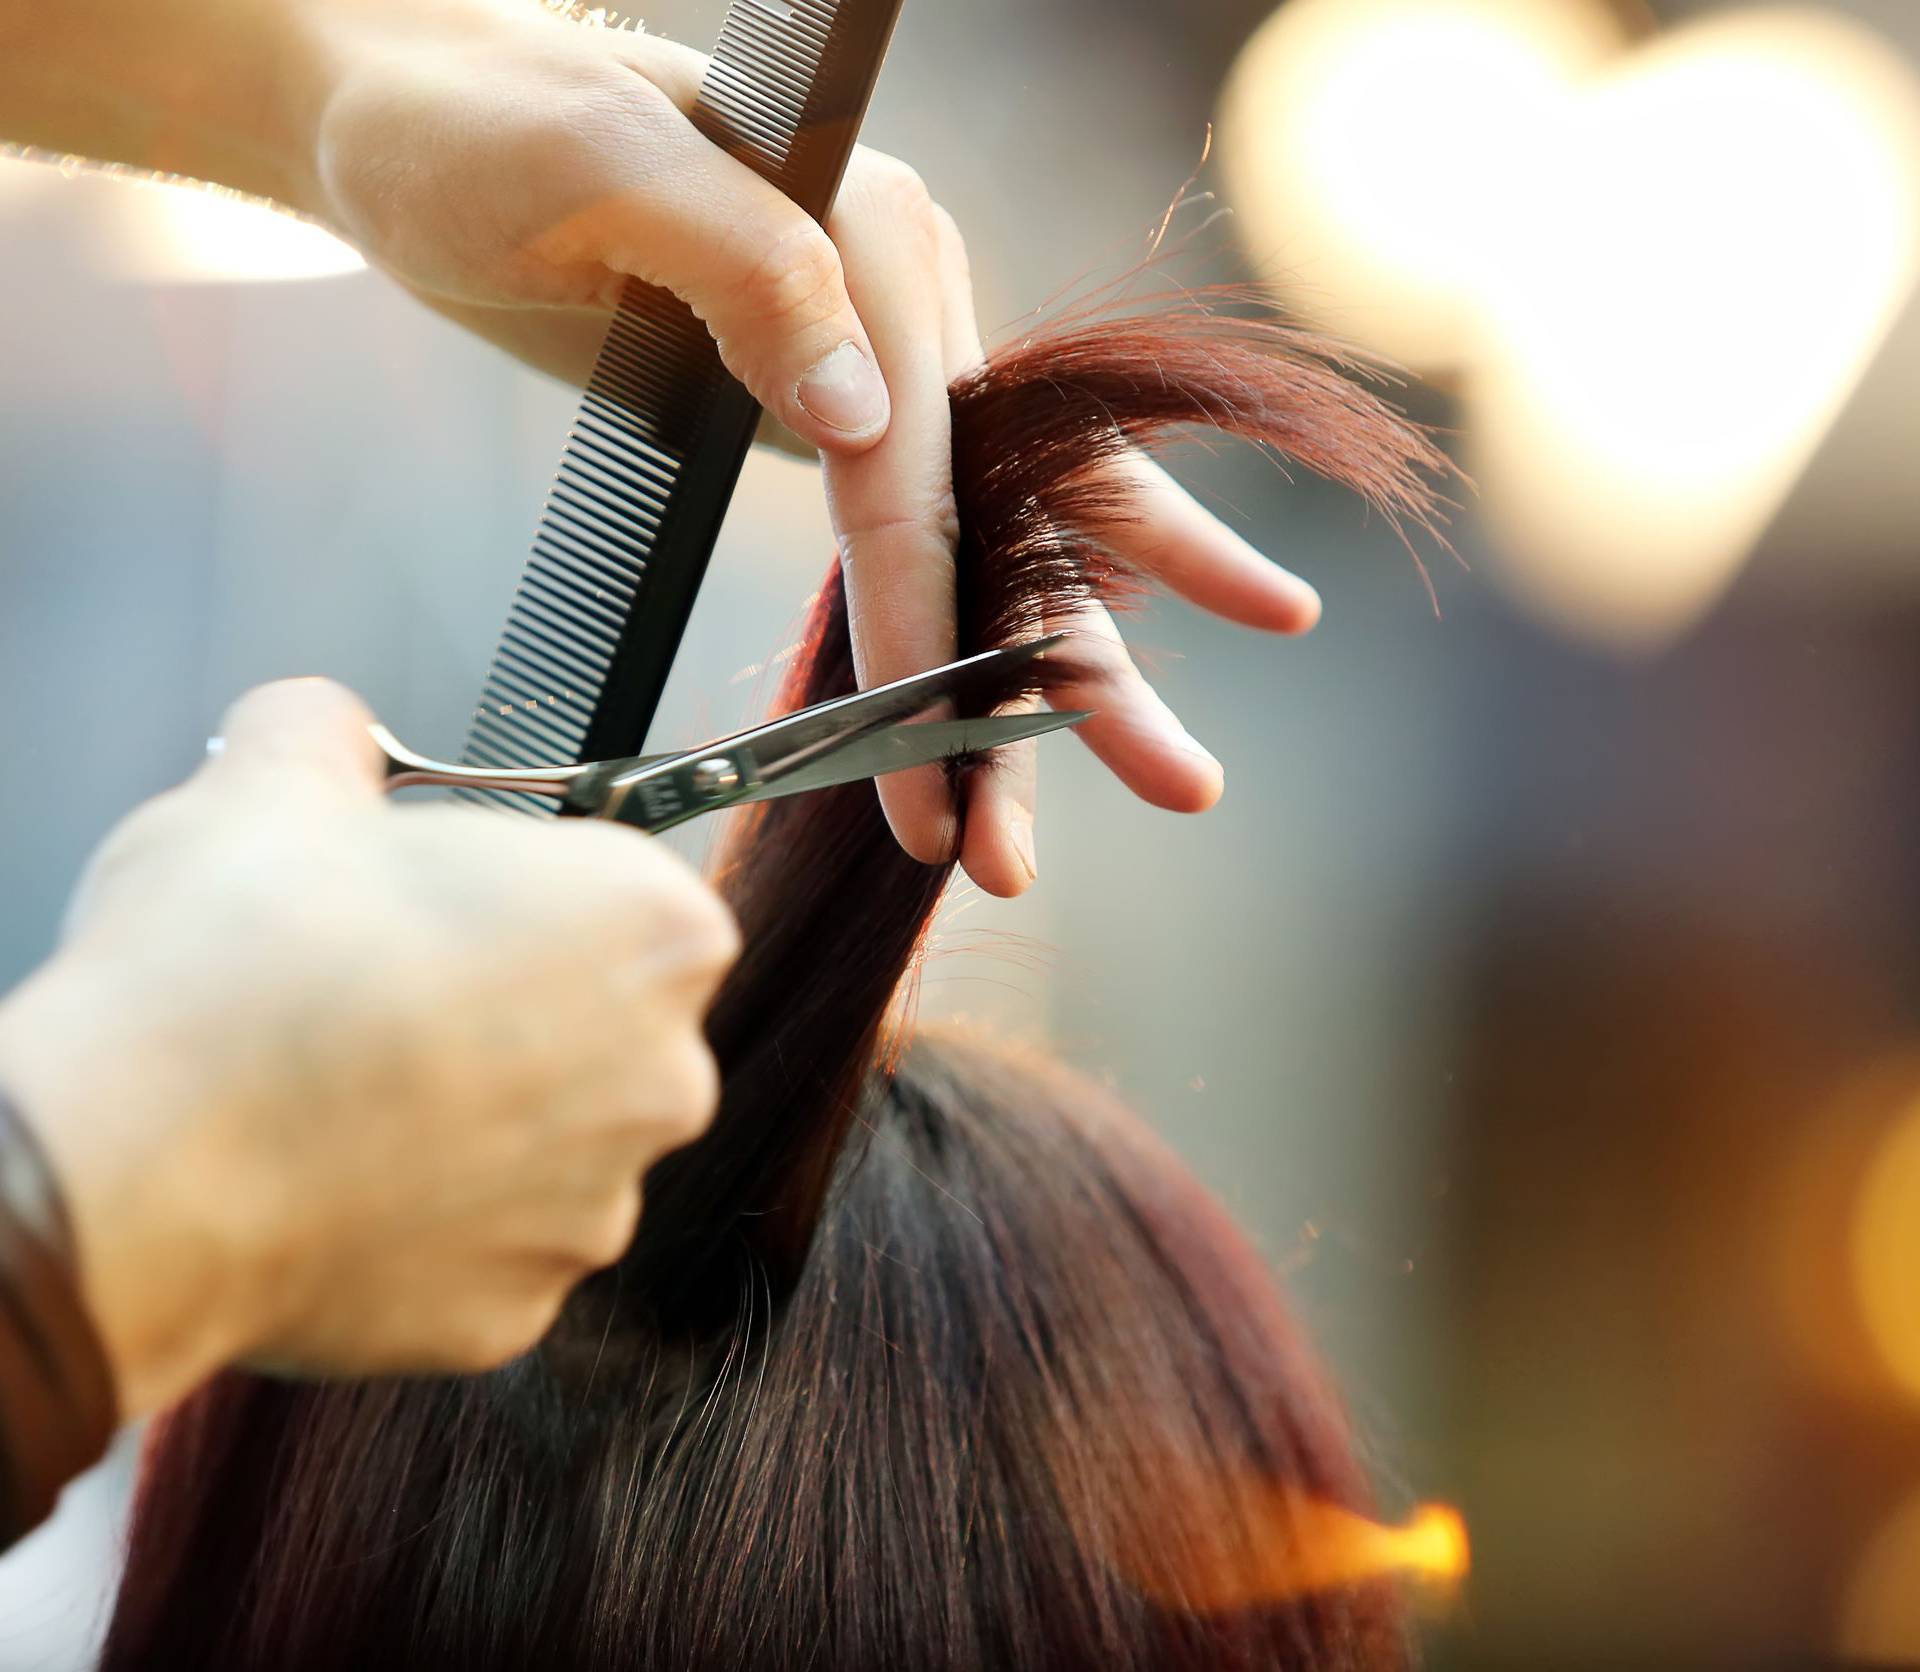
pixel 897 191
pixel 609 1237
pixel 927 534
pixel 493 1337
pixel 795 281
pixel 701 1090
pixel 663 925
pixel 947 230
pixel 697 924
pixel 943 518
pixel 644 879
pixel 717 935
pixel 952 246
pixel 678 1099
pixel 637 96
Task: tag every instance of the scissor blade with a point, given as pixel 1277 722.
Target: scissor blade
pixel 785 745
pixel 733 769
pixel 909 746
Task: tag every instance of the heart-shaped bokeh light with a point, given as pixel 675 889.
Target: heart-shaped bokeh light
pixel 1367 145
pixel 1657 268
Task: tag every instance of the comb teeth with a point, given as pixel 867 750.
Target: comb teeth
pixel 624 459
pixel 763 70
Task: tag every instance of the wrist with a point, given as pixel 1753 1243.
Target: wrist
pixel 177 1283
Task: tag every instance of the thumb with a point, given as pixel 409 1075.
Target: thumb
pixel 310 729
pixel 762 274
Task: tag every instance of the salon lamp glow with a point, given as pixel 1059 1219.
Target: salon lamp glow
pixel 166 232
pixel 1365 146
pixel 1654 272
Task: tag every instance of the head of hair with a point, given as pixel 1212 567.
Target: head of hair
pixel 926 1354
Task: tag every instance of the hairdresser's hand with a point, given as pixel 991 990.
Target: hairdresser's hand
pixel 513 168
pixel 346 1087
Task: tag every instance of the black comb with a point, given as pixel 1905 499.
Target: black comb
pixel 664 428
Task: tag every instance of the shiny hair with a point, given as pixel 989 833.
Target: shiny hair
pixel 926 1355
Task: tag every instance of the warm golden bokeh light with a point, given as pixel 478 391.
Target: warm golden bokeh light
pixel 1805 1220
pixel 1879 1622
pixel 1367 147
pixel 1718 246
pixel 1303 1545
pixel 153 231
pixel 192 235
pixel 1886 1254
pixel 1659 270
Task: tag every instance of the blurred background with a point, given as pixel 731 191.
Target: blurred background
pixel 1545 994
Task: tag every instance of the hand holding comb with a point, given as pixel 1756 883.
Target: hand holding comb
pixel 663 429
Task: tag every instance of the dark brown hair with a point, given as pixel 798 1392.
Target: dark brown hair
pixel 926 1356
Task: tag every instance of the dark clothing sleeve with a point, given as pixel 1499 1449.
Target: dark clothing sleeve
pixel 57 1403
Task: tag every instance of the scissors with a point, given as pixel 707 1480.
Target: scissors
pixel 838 742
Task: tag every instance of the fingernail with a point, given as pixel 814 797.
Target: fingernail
pixel 845 392
pixel 1020 833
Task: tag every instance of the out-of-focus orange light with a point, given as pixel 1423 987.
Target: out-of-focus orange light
pixel 1302 1545
pixel 1879 1623
pixel 1430 1545
pixel 1886 1255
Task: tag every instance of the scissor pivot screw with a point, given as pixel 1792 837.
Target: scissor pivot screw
pixel 716 776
